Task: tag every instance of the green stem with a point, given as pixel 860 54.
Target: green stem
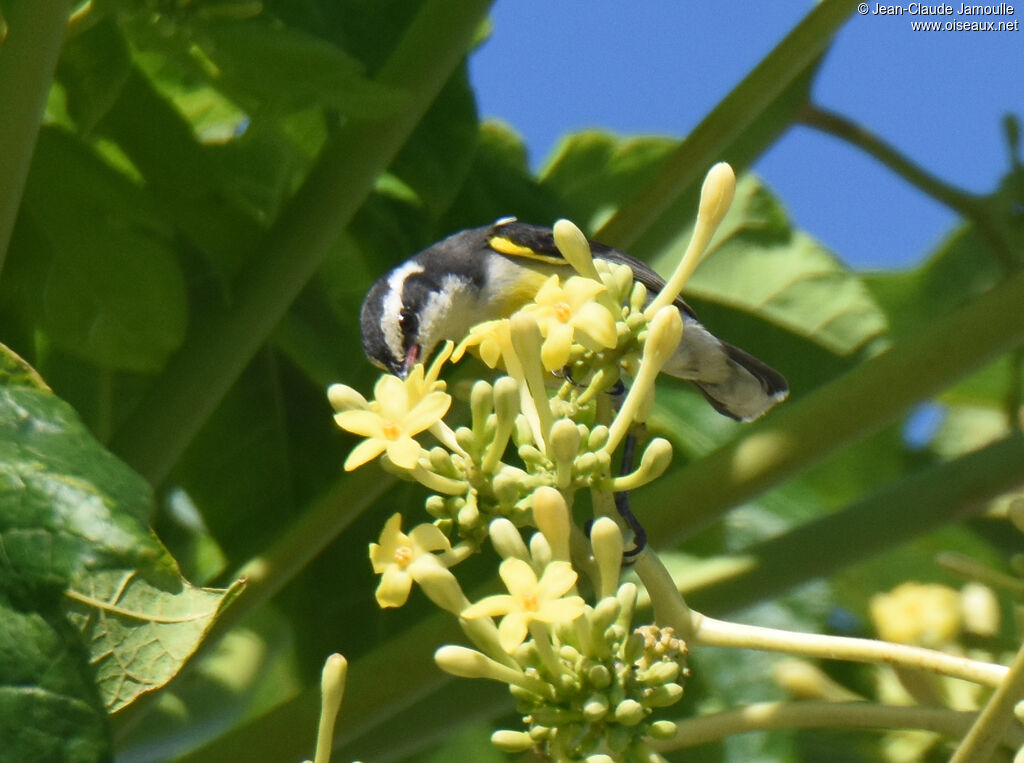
pixel 737 111
pixel 711 632
pixel 197 378
pixel 927 500
pixel 805 715
pixel 995 719
pixel 317 527
pixel 797 436
pixel 669 606
pixel 969 205
pixel 28 59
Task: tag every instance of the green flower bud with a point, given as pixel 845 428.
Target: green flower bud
pixel 467 440
pixel 540 551
pixel 481 403
pixel 661 730
pixel 606 541
pixel 511 741
pixel 629 712
pixel 507 541
pixel 663 696
pixel 551 516
pixel 605 612
pixel 595 708
pixel 468 516
pixel 436 506
pixel 597 438
pixel 599 676
pixel 655 460
pixel 507 485
pixel 661 672
pixel 575 248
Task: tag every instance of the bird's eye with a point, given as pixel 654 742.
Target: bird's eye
pixel 408 321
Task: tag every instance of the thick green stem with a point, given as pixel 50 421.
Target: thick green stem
pixel 967 204
pixel 799 435
pixel 895 514
pixel 759 90
pixel 996 719
pixel 197 378
pixel 711 632
pixel 808 715
pixel 28 59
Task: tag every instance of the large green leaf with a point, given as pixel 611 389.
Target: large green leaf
pixel 97 268
pixel 281 68
pixel 759 264
pixel 49 707
pixel 74 523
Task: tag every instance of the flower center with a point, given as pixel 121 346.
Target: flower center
pixel 403 556
pixel 562 311
pixel 529 602
pixel 391 430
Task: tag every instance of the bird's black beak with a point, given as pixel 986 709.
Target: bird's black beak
pixel 412 355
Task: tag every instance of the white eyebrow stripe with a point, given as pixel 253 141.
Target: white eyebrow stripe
pixel 392 306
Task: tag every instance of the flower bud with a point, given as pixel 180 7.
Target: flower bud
pixel 507 541
pixel 344 398
pixel 653 463
pixel 663 696
pixel 661 730
pixel 511 742
pixel 629 712
pixel 551 516
pixel 438 583
pixel 575 248
pixel 595 708
pixel 715 197
pixel 606 541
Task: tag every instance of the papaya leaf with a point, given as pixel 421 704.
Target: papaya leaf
pixel 49 706
pixel 285 69
pixel 99 274
pixel 140 633
pixel 759 264
pixel 78 552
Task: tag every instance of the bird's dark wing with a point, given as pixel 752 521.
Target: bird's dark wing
pixel 517 239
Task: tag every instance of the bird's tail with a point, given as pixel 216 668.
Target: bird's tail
pixel 750 390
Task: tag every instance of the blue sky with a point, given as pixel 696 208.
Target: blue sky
pixel 556 66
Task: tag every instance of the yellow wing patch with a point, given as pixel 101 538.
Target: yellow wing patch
pixel 507 246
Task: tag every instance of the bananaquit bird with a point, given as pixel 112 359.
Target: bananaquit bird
pixel 486 273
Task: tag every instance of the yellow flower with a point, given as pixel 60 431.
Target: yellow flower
pixel 924 614
pixel 400 410
pixel 529 600
pixel 487 338
pixel 395 554
pixel 567 313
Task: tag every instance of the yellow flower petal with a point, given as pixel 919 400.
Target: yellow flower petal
pixel 427 412
pixel 560 610
pixel 489 606
pixel 597 323
pixel 365 451
pixel 554 353
pixel 518 577
pixel 394 587
pixel 557 580
pixel 404 452
pixel 429 537
pixel 512 631
pixel 363 423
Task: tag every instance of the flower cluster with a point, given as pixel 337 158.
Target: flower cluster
pixel 589 682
